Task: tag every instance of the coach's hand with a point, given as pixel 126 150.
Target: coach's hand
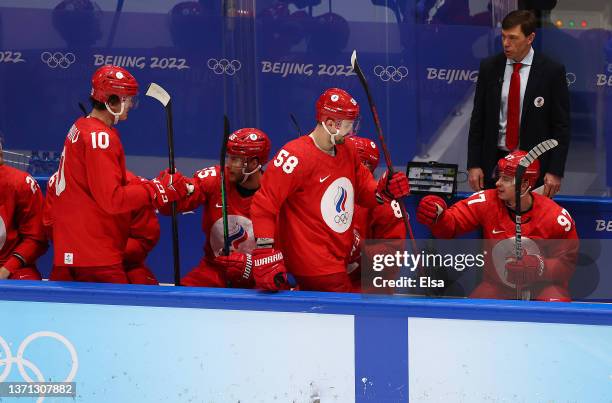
pixel 476 179
pixel 552 185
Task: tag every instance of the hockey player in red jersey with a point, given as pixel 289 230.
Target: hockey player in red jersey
pixel 248 150
pixel 546 266
pixel 383 221
pixel 143 236
pixel 22 238
pixel 94 203
pixel 303 213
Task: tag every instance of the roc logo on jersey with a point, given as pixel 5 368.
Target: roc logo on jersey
pixel 240 235
pixel 337 205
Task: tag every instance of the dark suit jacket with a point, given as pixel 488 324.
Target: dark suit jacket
pixel 551 120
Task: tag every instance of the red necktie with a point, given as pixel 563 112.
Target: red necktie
pixel 514 106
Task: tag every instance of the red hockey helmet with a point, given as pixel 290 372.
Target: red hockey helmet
pixel 337 104
pixel 249 142
pixel 112 80
pixel 367 150
pixel 507 166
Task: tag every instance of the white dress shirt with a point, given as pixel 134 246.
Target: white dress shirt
pixel 503 110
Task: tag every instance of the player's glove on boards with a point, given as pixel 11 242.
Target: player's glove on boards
pixel 269 270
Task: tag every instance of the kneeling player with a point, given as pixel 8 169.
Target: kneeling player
pixel 22 239
pixel 545 268
pixel 248 150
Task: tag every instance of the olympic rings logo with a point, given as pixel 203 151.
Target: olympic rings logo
pixel 571 78
pixel 387 73
pixel 224 66
pixel 8 360
pixel 58 59
pixel 342 218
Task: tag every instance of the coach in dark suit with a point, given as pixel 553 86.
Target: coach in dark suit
pixel 521 99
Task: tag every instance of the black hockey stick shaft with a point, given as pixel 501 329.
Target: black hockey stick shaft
pixel 295 123
pixel 226 133
pixel 172 166
pixel 381 139
pixel 157 92
pixel 115 23
pixel 82 108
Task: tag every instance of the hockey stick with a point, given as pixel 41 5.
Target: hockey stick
pixel 115 23
pixel 524 163
pixel 82 108
pixel 295 123
pixel 381 139
pixel 226 134
pixel 157 92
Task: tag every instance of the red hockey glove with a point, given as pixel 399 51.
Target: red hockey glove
pixel 392 188
pixel 238 266
pixel 167 188
pixel 269 270
pixel 429 209
pixel 525 271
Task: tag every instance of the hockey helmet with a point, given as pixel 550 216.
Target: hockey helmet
pixel 336 104
pixel 249 142
pixel 507 166
pixel 112 80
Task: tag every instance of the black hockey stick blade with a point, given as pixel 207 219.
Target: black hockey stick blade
pixel 226 134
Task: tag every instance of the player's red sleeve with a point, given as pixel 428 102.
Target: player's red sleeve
pixel 278 182
pixel 387 222
pixel 104 177
pixel 144 235
pixel 460 218
pixel 365 194
pixel 28 217
pixel 561 249
pixel 47 217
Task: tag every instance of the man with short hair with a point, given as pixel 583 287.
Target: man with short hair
pixel 521 100
pixel 93 201
pixel 549 237
pixel 303 213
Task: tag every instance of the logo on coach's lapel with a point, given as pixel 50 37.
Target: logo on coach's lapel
pixel 539 102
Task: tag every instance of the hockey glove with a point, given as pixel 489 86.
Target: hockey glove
pixel 269 270
pixel 527 270
pixel 238 266
pixel 167 188
pixel 390 188
pixel 430 208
